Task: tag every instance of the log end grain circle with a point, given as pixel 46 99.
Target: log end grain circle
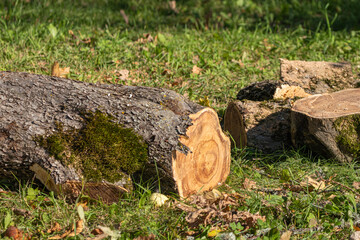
pixel 333 105
pixel 208 163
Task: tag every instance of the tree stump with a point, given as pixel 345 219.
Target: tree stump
pixel 262 125
pixel 317 76
pixel 329 124
pixel 186 148
pixel 260 118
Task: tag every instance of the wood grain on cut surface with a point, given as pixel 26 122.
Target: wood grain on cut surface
pixel 208 162
pixel 341 103
pixel 33 105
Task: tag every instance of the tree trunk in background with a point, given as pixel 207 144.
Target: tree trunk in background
pixel 329 124
pixel 186 146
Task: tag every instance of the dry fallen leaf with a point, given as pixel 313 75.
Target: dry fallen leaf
pixel 56 71
pixel 249 184
pixel 97 231
pixel 196 70
pixel 286 235
pixel 123 74
pixel 13 232
pixel 149 237
pixel 72 232
pixel 356 185
pixel 195 59
pixel 55 228
pixel 312 183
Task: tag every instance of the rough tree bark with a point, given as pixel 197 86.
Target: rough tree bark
pixel 261 125
pixel 317 76
pixel 329 124
pixel 261 116
pixel 186 146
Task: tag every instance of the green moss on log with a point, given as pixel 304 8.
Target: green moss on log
pixel 101 150
pixel 349 134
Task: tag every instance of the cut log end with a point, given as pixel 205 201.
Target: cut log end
pixel 328 124
pixel 208 163
pixel 234 124
pixel 338 104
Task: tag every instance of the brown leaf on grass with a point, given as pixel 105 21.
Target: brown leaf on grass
pixel 98 237
pixel 14 233
pixel 83 204
pixel 195 59
pixel 356 185
pixel 97 231
pixel 286 235
pixel 126 19
pixel 148 237
pixel 178 82
pixel 196 70
pixel 123 74
pixel 250 219
pixel 172 5
pixel 216 210
pixel 249 184
pixel 73 36
pixel 55 228
pixel 241 64
pixel 71 233
pixel 146 39
pixel 313 184
pixel 56 71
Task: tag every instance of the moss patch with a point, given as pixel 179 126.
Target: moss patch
pixel 102 149
pixel 349 134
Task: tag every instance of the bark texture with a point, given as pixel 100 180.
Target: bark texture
pixel 316 76
pixel 261 117
pixel 32 104
pixel 329 124
pixel 262 125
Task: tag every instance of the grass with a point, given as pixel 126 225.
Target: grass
pixel 234 43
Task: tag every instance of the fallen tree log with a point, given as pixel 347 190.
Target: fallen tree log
pixel 54 127
pixel 329 124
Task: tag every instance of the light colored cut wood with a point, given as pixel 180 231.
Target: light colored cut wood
pixel 208 163
pixel 334 105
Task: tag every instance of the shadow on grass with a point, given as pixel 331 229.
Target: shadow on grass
pixel 201 14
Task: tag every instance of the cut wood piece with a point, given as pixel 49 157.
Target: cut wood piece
pixel 261 125
pixel 270 90
pixel 208 163
pixel 329 124
pixel 176 131
pixel 317 77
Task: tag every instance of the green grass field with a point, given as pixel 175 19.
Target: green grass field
pixel 235 43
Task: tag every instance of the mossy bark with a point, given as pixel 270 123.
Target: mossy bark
pixel 33 105
pixel 328 124
pixel 261 116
